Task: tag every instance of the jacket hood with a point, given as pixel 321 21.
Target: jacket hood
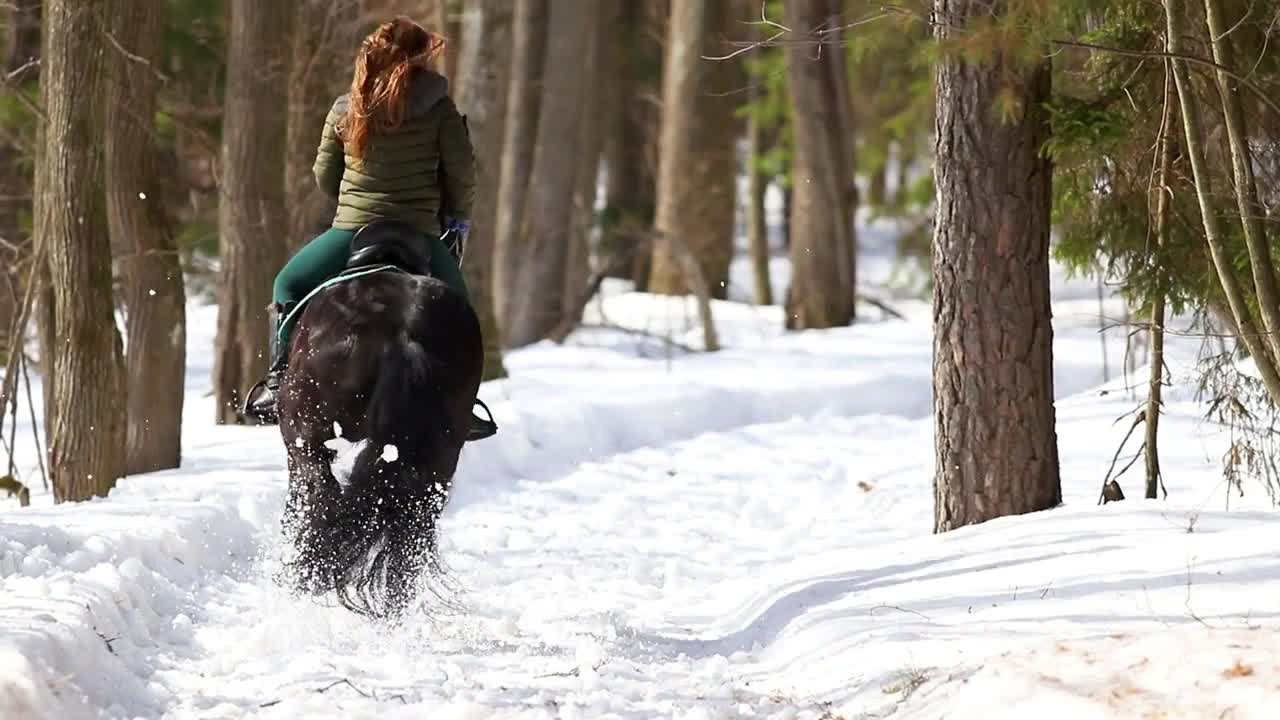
pixel 425 90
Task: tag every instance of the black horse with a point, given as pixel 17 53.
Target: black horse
pixel 394 358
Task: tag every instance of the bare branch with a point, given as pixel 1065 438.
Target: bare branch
pixel 10 80
pixel 21 70
pixel 1138 420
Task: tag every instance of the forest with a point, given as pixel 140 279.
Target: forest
pixel 202 187
pixel 1143 140
pixel 820 272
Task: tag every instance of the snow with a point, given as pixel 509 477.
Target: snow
pixel 658 533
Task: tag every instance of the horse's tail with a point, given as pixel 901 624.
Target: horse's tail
pixel 383 532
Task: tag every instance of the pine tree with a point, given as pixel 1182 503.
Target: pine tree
pixel 996 445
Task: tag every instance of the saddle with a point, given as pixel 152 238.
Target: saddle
pixel 380 246
pixel 390 242
pixel 397 245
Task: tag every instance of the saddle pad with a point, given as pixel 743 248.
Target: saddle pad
pixel 348 274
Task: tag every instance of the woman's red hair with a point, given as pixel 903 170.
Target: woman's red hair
pixel 387 61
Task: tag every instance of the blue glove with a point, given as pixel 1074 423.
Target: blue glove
pixel 457 225
pixel 458 228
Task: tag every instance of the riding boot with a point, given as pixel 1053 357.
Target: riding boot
pixel 480 427
pixel 260 402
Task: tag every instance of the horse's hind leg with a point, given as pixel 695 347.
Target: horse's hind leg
pixel 313 494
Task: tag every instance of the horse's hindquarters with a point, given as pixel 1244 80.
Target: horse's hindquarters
pixel 395 360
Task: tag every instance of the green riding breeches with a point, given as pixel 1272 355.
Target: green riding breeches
pixel 326 256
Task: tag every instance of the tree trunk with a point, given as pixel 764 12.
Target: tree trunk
pixel 1252 212
pixel 757 225
pixel 1155 387
pixel 87 444
pixel 154 297
pixel 587 175
pixel 1222 260
pixel 631 179
pixel 485 66
pixel 524 95
pixel 997 451
pixel 537 298
pixel 647 130
pixel 696 169
pixel 251 207
pixel 319 70
pixel 823 280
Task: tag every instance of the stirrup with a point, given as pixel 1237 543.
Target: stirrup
pixel 253 396
pixel 480 427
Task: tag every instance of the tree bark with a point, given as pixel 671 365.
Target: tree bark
pixel 824 279
pixel 996 445
pixel 631 178
pixel 524 96
pixel 87 442
pixel 696 168
pixel 319 70
pixel 251 207
pixel 1222 260
pixel 154 297
pixel 543 252
pixel 757 225
pixel 586 177
pixel 485 66
pixel 1252 212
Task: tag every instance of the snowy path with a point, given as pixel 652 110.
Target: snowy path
pixel 706 578
pixel 578 592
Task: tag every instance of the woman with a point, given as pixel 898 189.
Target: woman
pixel 394 147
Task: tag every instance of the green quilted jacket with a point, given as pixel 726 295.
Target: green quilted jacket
pixel 420 170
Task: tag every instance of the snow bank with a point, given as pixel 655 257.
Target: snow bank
pixel 90 591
